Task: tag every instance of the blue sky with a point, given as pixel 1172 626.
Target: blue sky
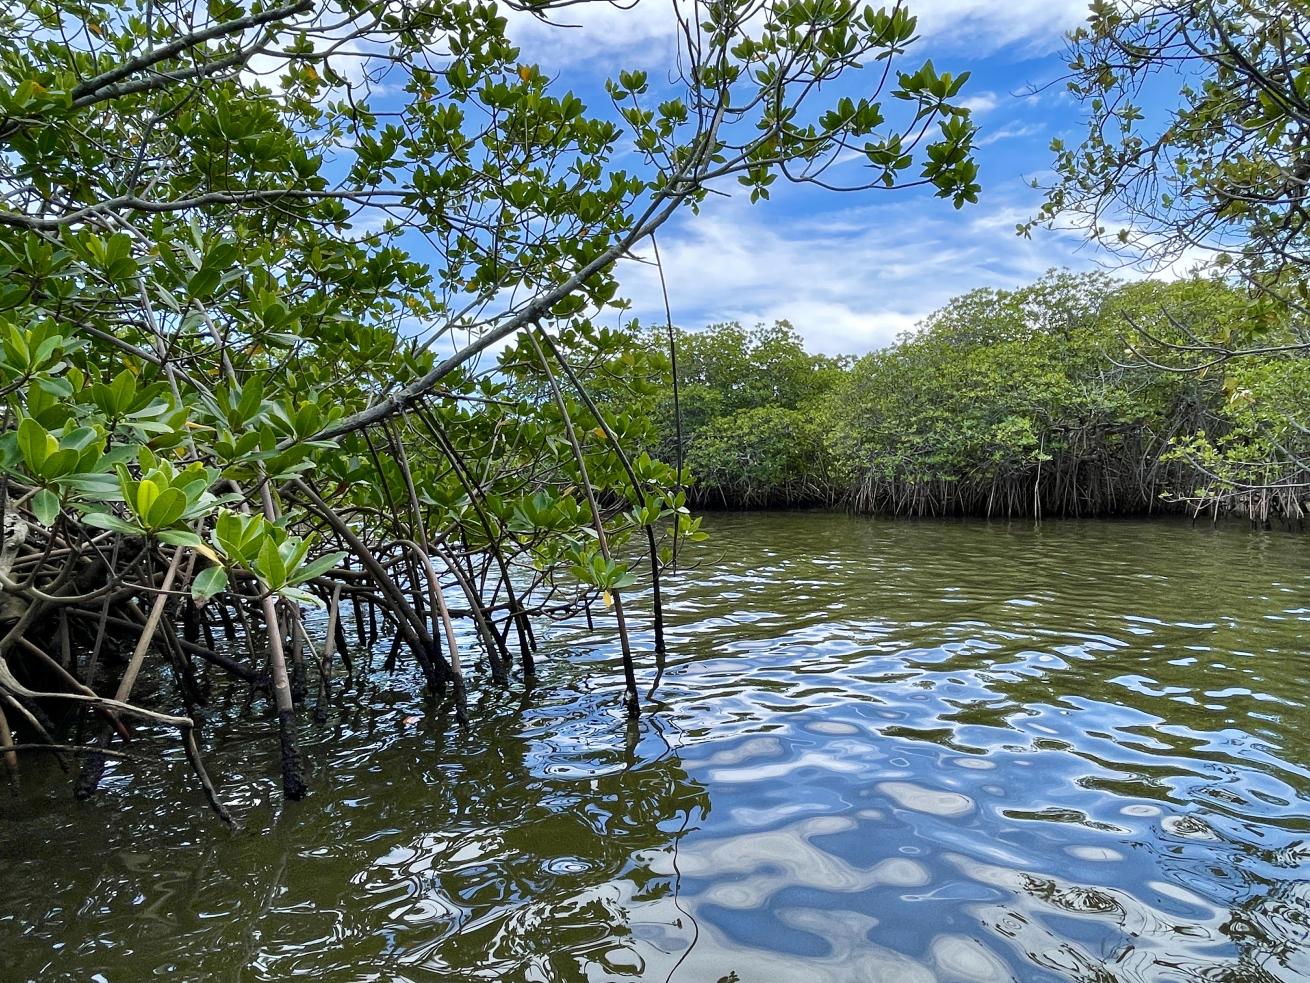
pixel 851 271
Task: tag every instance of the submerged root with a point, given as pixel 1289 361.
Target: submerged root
pixel 294 786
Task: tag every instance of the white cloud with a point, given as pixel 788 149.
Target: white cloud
pixel 984 26
pixel 1190 261
pixel 981 102
pixel 647 31
pixel 849 281
pixel 1010 131
pixel 850 274
pixel 601 34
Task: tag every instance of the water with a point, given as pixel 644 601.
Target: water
pixel 883 751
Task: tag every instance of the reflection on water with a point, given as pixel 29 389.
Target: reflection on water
pixel 884 751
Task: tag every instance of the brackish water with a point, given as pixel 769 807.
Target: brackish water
pixel 901 752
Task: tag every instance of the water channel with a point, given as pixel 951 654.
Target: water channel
pixel 881 751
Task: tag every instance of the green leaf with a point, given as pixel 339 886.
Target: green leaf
pixel 227 533
pixel 59 463
pixel 317 567
pixel 180 537
pixel 107 520
pixel 147 493
pixel 45 506
pixel 293 552
pixel 35 443
pixel 270 565
pixel 122 393
pixel 204 282
pixel 167 508
pixel 99 487
pixel 210 582
pixel 300 596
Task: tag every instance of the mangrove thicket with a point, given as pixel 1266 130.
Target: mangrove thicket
pixel 299 307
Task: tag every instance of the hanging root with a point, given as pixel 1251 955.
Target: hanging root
pixel 86 612
pixel 294 786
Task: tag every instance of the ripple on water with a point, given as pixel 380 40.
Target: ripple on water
pixel 831 727
pixel 902 752
pixel 936 802
pixel 1096 854
pixel 958 957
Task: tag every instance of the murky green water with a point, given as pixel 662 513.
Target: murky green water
pixel 884 751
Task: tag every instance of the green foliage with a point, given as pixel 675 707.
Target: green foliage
pixel 742 369
pixel 1194 144
pixel 733 381
pixel 254 259
pixel 233 238
pixel 1036 400
pixel 765 455
pixel 1195 149
pixel 1008 401
pixel 1252 457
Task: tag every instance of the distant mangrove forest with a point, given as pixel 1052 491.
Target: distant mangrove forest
pixel 1077 395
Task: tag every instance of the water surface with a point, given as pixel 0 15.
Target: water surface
pixel 882 751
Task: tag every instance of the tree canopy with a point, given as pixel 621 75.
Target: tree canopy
pixel 1195 145
pixel 1196 150
pixel 300 304
pixel 1034 401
